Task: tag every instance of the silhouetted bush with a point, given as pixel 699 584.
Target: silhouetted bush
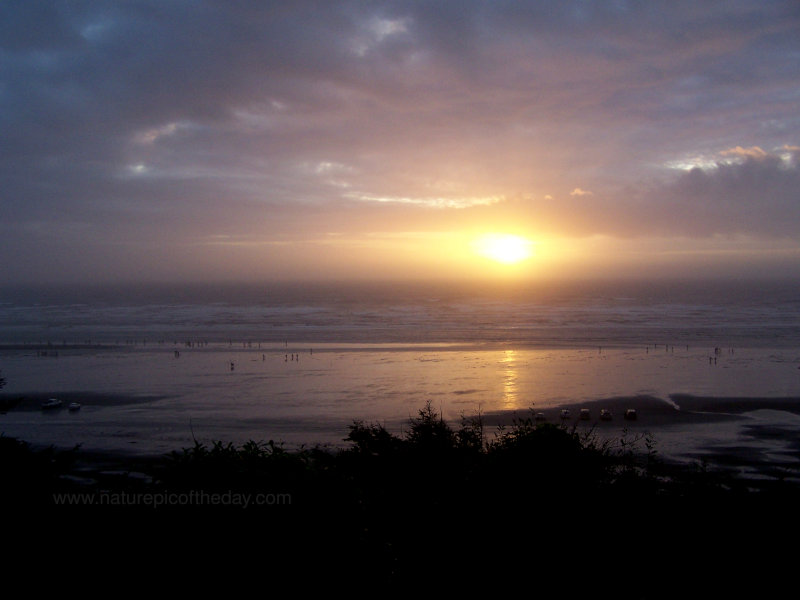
pixel 388 506
pixel 30 477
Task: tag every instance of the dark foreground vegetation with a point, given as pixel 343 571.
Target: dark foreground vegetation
pixel 392 507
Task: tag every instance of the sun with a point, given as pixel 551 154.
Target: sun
pixel 504 248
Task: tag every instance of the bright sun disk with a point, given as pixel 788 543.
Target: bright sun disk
pixel 504 248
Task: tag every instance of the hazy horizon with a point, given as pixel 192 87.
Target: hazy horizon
pixel 493 281
pixel 398 140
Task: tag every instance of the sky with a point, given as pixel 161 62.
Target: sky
pixel 190 140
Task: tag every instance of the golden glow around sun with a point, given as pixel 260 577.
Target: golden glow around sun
pixel 503 248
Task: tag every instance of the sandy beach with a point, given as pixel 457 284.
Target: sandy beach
pixel 757 438
pixel 739 412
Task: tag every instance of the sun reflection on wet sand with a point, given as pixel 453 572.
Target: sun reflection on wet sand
pixel 313 397
pixel 510 372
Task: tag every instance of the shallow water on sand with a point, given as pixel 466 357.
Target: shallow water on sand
pixel 151 365
pixel 159 398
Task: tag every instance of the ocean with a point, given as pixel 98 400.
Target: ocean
pixel 158 367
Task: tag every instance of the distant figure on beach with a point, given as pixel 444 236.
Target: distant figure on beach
pixel 231 365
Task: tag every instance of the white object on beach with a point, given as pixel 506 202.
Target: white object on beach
pixel 605 415
pixel 585 414
pixel 630 414
pixel 52 403
pixel 73 406
pixel 565 413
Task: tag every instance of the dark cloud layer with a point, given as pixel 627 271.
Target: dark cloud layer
pixel 134 132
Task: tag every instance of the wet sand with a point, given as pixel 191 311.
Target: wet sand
pixel 757 438
pixel 652 412
pixel 751 436
pixel 33 401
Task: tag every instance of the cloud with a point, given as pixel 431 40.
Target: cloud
pixel 759 196
pixel 164 123
pixel 153 134
pixel 754 152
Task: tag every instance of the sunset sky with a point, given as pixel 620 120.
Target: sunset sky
pixel 242 140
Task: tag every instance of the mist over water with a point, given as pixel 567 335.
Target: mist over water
pixel 610 313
